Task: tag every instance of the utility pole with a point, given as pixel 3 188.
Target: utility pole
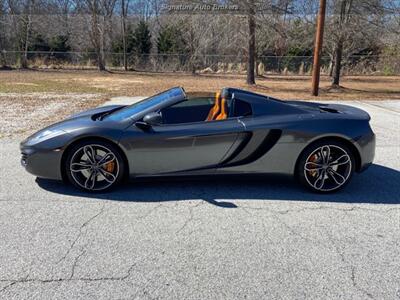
pixel 318 47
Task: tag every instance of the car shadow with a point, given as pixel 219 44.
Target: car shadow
pixel 378 185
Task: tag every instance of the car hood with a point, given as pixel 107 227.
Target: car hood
pixel 81 123
pixel 97 110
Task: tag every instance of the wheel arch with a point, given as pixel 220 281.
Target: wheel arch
pixel 346 142
pixel 92 138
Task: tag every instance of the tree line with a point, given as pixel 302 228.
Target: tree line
pixel 253 29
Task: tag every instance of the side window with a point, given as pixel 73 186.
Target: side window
pixel 195 102
pixel 189 111
pixel 242 108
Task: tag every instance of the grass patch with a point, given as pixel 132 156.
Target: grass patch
pixel 48 86
pixel 121 83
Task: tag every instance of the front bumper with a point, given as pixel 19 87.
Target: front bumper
pixel 367 146
pixel 42 163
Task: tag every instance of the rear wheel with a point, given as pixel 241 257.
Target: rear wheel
pixel 94 166
pixel 326 166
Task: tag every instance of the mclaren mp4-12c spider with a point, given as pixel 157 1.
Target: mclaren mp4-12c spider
pixel 231 132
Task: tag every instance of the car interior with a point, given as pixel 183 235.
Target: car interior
pixel 205 109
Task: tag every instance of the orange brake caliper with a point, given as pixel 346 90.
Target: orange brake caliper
pixel 313 159
pixel 109 167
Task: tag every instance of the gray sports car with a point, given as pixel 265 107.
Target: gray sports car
pixel 233 132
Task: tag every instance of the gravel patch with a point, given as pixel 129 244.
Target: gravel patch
pixel 25 113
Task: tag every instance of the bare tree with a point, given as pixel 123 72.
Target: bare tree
pixel 124 11
pixel 227 40
pixel 198 33
pixel 345 8
pixel 21 13
pixel 101 12
pixel 251 17
pixel 249 8
pixel 275 13
pixel 3 25
pixel 349 30
pixel 97 33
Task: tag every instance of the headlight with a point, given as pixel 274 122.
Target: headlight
pixel 45 134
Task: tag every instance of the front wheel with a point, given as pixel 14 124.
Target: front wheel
pixel 94 166
pixel 326 167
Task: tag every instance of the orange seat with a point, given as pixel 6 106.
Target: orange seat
pixel 216 109
pixel 224 107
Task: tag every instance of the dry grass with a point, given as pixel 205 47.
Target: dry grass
pixel 139 84
pixel 33 99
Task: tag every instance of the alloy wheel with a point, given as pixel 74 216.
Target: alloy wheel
pixel 94 167
pixel 328 168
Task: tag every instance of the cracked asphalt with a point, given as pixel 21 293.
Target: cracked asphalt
pixel 249 238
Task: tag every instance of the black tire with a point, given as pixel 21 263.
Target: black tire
pixel 102 175
pixel 321 174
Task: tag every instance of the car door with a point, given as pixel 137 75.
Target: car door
pixel 180 147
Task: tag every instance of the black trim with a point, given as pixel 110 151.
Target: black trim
pixel 239 149
pixel 269 141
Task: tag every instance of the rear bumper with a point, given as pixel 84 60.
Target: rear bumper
pixel 42 163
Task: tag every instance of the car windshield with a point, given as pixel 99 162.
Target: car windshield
pixel 138 107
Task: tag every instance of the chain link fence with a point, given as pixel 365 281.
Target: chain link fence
pixel 208 63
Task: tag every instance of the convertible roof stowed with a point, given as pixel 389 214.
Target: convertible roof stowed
pixel 233 132
pixel 261 104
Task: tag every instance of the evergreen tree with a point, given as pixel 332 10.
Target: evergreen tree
pixel 140 42
pixel 60 45
pixel 117 44
pixel 170 40
pixel 39 43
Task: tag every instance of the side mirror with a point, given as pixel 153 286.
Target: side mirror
pixel 149 120
pixel 153 118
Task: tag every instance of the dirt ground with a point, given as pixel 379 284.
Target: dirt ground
pixel 49 95
pixel 134 84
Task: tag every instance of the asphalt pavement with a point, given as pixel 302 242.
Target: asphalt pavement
pixel 253 238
